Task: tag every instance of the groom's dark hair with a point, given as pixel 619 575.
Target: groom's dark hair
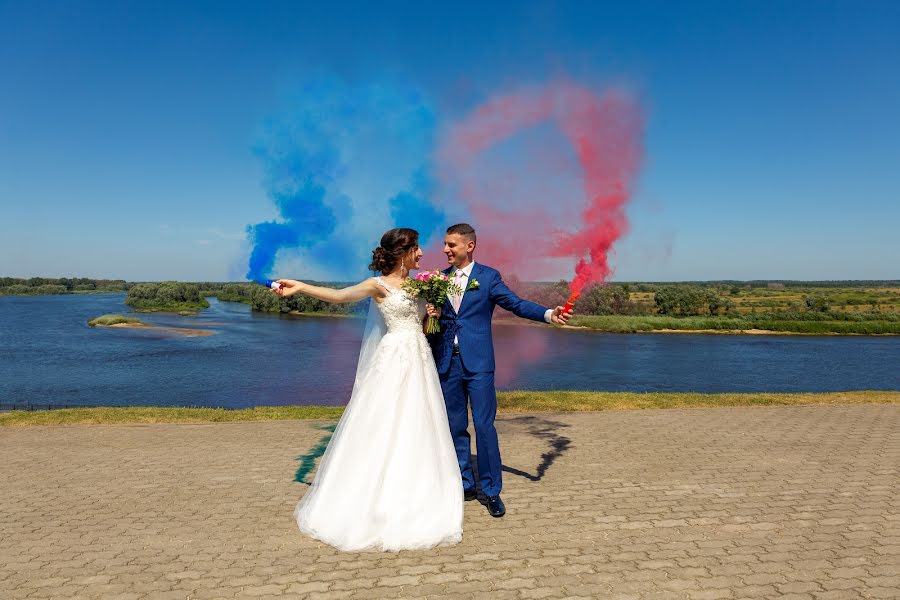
pixel 463 229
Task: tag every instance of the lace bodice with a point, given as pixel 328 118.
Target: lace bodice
pixel 401 310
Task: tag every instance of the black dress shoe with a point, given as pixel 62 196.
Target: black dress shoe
pixel 495 506
pixel 469 494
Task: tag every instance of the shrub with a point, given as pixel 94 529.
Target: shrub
pixel 816 303
pixel 168 295
pixel 683 300
pixel 605 300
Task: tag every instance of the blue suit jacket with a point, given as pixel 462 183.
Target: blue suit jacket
pixel 472 325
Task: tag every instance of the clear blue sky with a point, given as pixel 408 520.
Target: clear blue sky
pixel 772 143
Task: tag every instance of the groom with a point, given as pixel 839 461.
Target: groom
pixel 464 355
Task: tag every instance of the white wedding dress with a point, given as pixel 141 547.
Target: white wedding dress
pixel 389 479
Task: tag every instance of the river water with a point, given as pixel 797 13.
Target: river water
pixel 48 354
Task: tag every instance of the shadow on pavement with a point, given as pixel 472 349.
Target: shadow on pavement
pixel 543 429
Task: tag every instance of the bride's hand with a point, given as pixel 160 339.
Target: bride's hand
pixel 289 287
pixel 432 311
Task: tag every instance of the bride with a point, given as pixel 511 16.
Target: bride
pixel 389 479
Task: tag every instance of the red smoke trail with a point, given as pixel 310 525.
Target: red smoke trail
pixel 521 346
pixel 604 132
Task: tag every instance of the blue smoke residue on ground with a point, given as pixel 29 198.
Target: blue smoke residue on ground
pixel 345 163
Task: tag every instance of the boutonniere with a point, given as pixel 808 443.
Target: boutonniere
pixel 473 285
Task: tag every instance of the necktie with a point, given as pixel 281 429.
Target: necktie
pixel 456 299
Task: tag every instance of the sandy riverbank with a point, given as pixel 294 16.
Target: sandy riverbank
pixel 179 330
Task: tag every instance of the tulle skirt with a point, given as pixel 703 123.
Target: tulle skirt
pixel 389 479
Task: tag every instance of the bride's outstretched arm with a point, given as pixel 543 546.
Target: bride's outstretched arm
pixel 368 288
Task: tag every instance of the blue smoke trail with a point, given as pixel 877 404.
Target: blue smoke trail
pixel 411 208
pixel 301 164
pixel 348 162
pixel 307 221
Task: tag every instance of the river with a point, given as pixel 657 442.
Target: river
pixel 48 354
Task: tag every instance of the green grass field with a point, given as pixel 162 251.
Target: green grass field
pixel 508 402
pixel 638 323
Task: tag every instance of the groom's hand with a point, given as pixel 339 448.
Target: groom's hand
pixel 432 311
pixel 559 317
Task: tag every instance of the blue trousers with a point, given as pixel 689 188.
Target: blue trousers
pixel 460 388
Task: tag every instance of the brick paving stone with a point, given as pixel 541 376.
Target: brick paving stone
pixel 837 595
pixel 880 592
pixel 761 502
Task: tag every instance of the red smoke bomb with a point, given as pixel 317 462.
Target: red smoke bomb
pixel 570 303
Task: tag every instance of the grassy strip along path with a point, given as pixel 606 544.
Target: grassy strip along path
pixel 509 402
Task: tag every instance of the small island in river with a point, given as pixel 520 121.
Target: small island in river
pixel 121 321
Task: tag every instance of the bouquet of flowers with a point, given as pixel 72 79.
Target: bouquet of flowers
pixel 434 287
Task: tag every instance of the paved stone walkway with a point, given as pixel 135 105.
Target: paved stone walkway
pixel 788 502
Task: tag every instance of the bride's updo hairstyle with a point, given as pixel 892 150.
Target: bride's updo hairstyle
pixel 395 244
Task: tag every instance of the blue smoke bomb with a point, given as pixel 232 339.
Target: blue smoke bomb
pixel 269 283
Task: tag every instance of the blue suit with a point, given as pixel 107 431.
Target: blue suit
pixel 469 376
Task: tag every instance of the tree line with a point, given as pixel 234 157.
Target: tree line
pixel 45 286
pixel 616 299
pixel 636 299
pixel 263 299
pixel 166 295
pixel 674 299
